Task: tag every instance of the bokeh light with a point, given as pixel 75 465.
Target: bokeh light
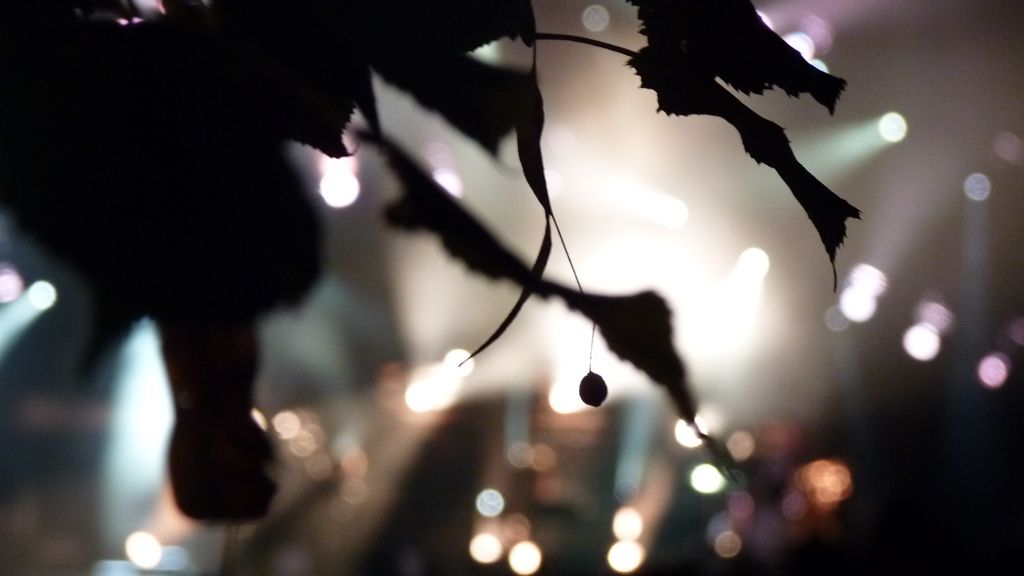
pixel 753 263
pixel 627 524
pixel 11 284
pixel 741 445
pixel 449 180
pixel 339 185
pixel 857 305
pixel 525 558
pixel 564 397
pixel 977 187
pixel 686 434
pixel 490 503
pixel 143 550
pixel 935 314
pixel 42 295
pixel 459 362
pixel 728 544
pixel 486 548
pixel 802 43
pixel 826 482
pixel 835 320
pixel 993 370
pixel 626 556
pixel 287 424
pixel 596 18
pixel 707 479
pixel 1008 147
pixel 259 418
pixel 922 342
pixel 892 127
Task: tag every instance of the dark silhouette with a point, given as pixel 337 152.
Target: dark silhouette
pixel 144 149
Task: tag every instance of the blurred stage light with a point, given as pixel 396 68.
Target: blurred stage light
pixel 820 32
pixel 525 558
pixel 892 126
pixel 42 295
pixel 490 503
pixel 656 205
pixel 438 386
pixel 449 180
pixel 977 187
pixel 486 548
pixel 11 284
pixel 459 362
pixel 686 435
pixel 259 418
pixel 142 414
pixel 802 43
pixel 564 397
pixel 596 18
pixel 741 445
pixel 826 482
pixel 819 64
pixel 753 264
pixel 859 300
pixel 287 424
pixel 935 314
pixel 1009 148
pixel 627 524
pixel 869 279
pixel 835 320
pixel 767 21
pixel 339 185
pixel 728 544
pixel 143 550
pixel 706 479
pixel 922 342
pixel 626 556
pixel 857 305
pixel 993 370
pixel 1016 331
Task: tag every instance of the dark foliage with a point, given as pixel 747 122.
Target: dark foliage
pixel 144 149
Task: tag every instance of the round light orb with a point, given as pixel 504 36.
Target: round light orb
pixel 42 295
pixel 922 342
pixel 977 187
pixel 626 556
pixel 486 548
pixel 143 550
pixel 892 127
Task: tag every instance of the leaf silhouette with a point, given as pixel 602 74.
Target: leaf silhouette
pixel 484 102
pixel 165 194
pixel 729 40
pixel 638 328
pixel 684 89
pixel 528 132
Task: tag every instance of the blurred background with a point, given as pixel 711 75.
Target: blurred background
pixel 873 425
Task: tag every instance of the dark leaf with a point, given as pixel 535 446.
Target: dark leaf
pixel 728 39
pixel 683 90
pixel 529 127
pixel 448 25
pixel 167 194
pixel 537 272
pixel 484 102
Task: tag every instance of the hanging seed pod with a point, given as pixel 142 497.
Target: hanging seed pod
pixel 593 390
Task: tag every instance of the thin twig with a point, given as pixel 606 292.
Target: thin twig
pixel 583 40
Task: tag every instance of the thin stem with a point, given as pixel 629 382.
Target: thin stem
pixel 583 40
